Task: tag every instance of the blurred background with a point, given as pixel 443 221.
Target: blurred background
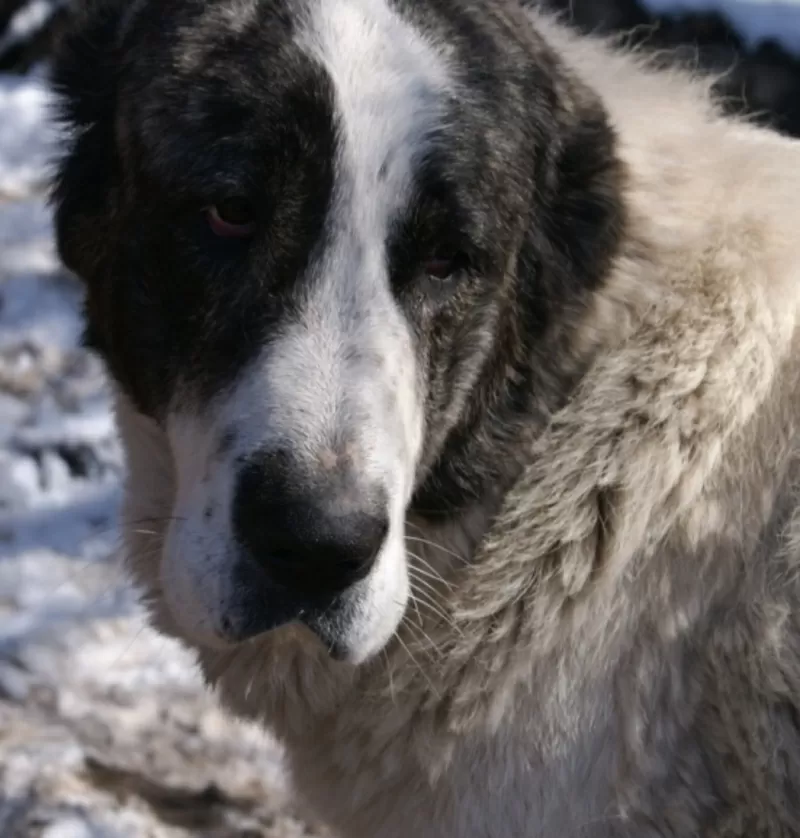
pixel 105 730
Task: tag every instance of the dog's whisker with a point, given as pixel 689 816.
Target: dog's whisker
pixel 389 675
pixel 416 607
pixel 423 568
pixel 433 545
pixel 424 583
pixel 423 599
pixel 152 520
pixel 69 576
pixel 419 627
pixel 129 645
pixel 434 576
pixel 416 663
pixel 416 639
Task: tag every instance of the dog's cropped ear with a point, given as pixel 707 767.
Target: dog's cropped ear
pixel 581 216
pixel 576 209
pixel 84 78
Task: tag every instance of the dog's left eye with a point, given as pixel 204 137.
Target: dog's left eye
pixel 232 218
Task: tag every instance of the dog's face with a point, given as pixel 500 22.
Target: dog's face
pixel 299 224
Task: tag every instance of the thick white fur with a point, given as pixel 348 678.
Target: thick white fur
pixel 495 721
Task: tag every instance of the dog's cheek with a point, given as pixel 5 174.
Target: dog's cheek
pixel 86 201
pixel 85 234
pixel 89 246
pixel 85 215
pixel 138 348
pixel 456 345
pixel 122 321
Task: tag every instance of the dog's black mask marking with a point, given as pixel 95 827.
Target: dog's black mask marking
pixel 172 111
pixel 167 299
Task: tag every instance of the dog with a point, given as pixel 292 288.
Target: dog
pixel 455 356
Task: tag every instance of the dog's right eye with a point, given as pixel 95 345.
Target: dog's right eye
pixel 442 265
pixel 232 218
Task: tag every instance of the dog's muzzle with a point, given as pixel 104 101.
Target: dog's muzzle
pixel 303 546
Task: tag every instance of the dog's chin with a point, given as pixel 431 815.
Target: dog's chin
pixel 244 607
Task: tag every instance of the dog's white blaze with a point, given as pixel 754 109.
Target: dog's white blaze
pixel 390 84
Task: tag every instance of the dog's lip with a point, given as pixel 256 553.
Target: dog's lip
pixel 262 607
pixel 236 634
pixel 319 625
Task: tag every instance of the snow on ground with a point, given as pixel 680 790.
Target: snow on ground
pixel 24 146
pixel 105 729
pixel 755 20
pixel 29 18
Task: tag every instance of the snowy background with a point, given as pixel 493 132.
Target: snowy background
pixel 755 20
pixel 105 730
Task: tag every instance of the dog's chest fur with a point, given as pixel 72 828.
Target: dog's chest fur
pixel 490 782
pixel 382 753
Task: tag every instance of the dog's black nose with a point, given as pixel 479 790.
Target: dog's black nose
pixel 299 541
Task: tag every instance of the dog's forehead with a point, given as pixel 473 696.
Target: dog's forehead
pixel 390 84
pixel 186 65
pixel 378 78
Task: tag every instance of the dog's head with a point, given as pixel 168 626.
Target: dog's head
pixel 326 244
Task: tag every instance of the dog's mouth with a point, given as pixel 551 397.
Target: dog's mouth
pixel 259 605
pixel 230 598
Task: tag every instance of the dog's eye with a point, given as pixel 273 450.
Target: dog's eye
pixel 443 266
pixel 233 218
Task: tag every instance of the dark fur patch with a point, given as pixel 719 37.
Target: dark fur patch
pixel 168 302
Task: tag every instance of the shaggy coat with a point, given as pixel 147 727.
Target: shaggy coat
pixel 602 636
